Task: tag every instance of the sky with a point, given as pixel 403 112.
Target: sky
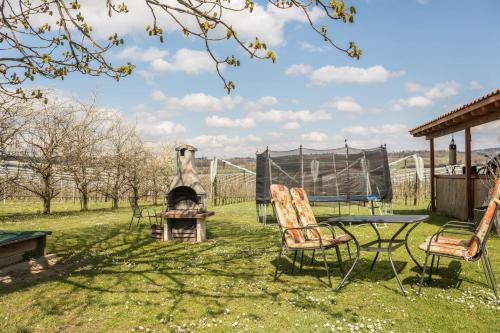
pixel 421 58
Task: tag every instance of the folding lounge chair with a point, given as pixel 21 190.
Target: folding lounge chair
pixel 306 215
pixel 470 247
pixel 292 233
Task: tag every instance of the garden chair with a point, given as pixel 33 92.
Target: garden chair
pixel 292 233
pixel 139 212
pixel 471 244
pixel 306 216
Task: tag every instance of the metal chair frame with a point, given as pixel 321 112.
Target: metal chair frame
pixel 138 212
pixel 284 246
pixel 467 229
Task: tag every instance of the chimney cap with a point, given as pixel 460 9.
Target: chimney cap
pixel 186 146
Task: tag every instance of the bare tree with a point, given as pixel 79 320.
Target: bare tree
pixel 43 140
pixel 135 164
pixel 13 116
pixel 160 168
pixel 85 147
pixel 113 165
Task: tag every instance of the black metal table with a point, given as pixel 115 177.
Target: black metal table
pixel 393 243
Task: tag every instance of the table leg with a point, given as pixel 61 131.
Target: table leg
pixel 389 253
pixel 379 245
pixel 346 276
pixel 408 249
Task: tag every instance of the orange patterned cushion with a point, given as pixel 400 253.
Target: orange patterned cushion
pixel 286 216
pixel 443 248
pixel 486 221
pixel 449 240
pixel 306 215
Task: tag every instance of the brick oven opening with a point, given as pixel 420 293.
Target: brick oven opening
pixel 182 198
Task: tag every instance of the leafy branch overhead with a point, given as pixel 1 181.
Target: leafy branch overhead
pixel 52 38
pixel 213 25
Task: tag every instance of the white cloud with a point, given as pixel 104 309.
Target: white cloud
pixel 310 47
pixel 216 121
pixel 439 90
pixel 314 137
pixel 268 100
pixel 253 138
pixel 298 69
pixel 135 53
pixel 342 74
pixel 345 104
pixel 223 145
pixel 197 102
pixel 267 22
pixel 187 61
pixel 395 135
pixel 414 87
pixel 288 115
pixel 375 110
pixel 152 127
pixel 386 129
pixel 412 102
pixel 348 74
pixel 475 85
pixel 291 125
pixel 442 90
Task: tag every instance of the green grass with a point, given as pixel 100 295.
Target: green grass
pixel 115 280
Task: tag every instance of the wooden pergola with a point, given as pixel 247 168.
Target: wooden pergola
pixel 480 111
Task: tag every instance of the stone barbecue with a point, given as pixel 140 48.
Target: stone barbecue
pixel 185 217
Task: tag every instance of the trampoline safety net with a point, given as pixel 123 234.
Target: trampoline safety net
pixel 333 175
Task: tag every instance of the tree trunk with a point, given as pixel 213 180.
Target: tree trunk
pixel 155 198
pixel 46 195
pixel 115 203
pixel 46 205
pixel 84 202
pixel 135 190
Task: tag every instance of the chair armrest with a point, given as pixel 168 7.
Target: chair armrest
pixel 309 227
pixel 329 227
pixel 452 231
pixel 342 227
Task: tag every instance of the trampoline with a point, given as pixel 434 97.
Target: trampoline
pixel 341 175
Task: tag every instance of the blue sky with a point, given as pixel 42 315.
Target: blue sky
pixel 420 59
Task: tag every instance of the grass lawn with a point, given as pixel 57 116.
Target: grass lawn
pixel 116 280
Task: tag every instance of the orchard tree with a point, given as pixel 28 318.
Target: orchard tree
pixel 113 165
pixel 160 168
pixel 135 164
pixel 85 148
pixel 43 141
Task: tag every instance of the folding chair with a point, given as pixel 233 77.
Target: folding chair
pixel 472 245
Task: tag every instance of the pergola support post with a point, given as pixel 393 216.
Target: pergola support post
pixel 433 188
pixel 468 175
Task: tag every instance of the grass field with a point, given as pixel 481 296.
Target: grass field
pixel 115 280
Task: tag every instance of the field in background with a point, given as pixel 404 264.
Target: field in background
pixel 113 279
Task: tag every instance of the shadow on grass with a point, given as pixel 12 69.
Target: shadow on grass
pixel 20 217
pixel 107 259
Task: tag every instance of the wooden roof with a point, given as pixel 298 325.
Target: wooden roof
pixel 480 111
